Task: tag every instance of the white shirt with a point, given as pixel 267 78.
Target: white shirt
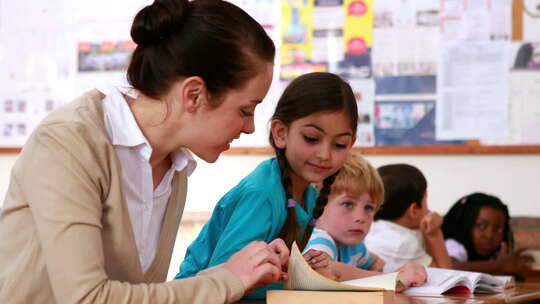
pixel 396 245
pixel 146 206
pixel 456 250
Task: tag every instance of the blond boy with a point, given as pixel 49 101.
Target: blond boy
pixel 355 196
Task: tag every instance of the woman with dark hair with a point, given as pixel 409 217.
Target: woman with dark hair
pixel 479 238
pixel 97 194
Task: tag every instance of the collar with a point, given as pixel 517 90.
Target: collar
pixel 124 131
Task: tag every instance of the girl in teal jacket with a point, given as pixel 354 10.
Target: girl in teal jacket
pixel 312 129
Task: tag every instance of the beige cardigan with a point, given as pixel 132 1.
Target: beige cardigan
pixel 65 232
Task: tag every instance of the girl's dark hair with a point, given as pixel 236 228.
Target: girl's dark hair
pixel 212 39
pixel 309 94
pixel 403 185
pixel 459 221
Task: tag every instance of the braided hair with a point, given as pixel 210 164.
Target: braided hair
pixel 306 95
pixel 459 221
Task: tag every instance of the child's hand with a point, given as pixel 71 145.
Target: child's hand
pixel 259 264
pixel 410 275
pixel 329 272
pixel 317 259
pixel 378 263
pixel 431 222
pixel 513 262
pixel 321 262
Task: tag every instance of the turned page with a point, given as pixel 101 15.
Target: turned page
pixel 303 277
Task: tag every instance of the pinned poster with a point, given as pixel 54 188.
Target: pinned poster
pixel 358 39
pixel 472 91
pixel 296 39
pixel 328 23
pixel 476 20
pixel 524 110
pixel 406 123
pixel 405 38
pixel 406 43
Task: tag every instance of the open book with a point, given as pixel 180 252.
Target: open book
pixel 303 277
pixel 305 285
pixel 449 281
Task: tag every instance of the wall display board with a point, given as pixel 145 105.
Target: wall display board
pixel 430 76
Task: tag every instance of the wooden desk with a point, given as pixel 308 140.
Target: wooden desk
pixel 532 275
pixel 523 292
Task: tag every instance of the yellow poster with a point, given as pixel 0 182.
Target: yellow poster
pixel 296 38
pixel 358 36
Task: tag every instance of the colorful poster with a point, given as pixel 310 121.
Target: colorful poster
pixel 357 39
pixel 406 123
pixel 297 39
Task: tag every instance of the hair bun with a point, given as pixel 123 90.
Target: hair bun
pixel 156 22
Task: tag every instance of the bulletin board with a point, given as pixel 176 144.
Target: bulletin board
pixel 430 76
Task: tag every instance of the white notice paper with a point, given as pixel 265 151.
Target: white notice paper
pixel 472 90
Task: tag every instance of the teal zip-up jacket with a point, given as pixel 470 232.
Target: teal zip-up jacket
pixel 254 210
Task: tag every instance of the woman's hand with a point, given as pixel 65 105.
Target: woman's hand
pixel 260 264
pixel 410 275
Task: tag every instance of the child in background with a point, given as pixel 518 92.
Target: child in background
pixel 405 231
pixel 479 238
pixel 312 129
pixel 355 196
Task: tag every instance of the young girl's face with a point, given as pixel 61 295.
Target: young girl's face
pixel 487 233
pixel 348 218
pixel 316 146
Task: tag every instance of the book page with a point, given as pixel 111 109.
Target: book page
pixel 387 281
pixel 493 283
pixel 302 277
pixel 440 280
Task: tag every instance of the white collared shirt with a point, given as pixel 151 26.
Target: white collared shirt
pixel 146 206
pixel 396 245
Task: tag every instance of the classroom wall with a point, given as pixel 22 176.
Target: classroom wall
pixel 514 178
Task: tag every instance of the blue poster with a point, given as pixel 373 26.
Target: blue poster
pixel 406 123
